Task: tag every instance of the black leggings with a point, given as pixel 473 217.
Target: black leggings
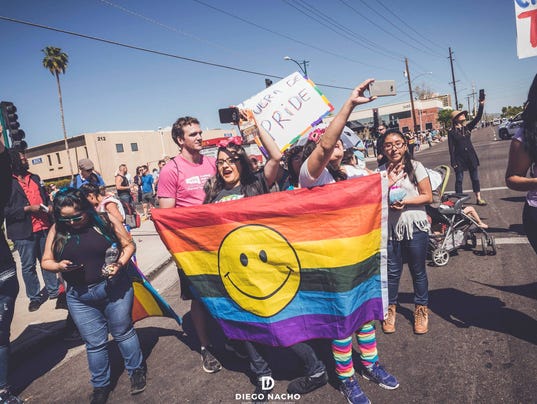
pixel 529 218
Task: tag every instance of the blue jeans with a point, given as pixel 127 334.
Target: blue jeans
pixel 101 308
pixel 474 176
pixel 260 367
pixel 30 250
pixel 415 251
pixel 8 294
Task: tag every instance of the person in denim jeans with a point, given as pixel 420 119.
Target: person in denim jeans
pixel 408 227
pixel 9 285
pixel 99 299
pixel 27 224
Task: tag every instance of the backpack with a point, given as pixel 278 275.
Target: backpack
pixel 132 217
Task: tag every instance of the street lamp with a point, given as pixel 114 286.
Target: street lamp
pixel 301 65
pixel 407 75
pixel 162 141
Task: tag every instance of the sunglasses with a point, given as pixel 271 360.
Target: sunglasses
pixel 72 219
pixel 229 162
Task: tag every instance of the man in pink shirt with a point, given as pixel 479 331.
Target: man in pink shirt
pixel 181 183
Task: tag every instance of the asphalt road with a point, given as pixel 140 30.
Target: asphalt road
pixel 481 347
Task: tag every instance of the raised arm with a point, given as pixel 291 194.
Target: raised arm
pixel 320 157
pixel 477 118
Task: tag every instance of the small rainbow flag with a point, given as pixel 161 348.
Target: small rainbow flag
pixel 289 266
pixel 147 301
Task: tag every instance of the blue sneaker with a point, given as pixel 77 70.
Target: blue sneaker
pixel 379 375
pixel 350 388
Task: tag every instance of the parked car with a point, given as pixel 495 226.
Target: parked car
pixel 507 129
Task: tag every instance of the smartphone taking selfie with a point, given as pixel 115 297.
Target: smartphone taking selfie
pixel 229 115
pixel 382 88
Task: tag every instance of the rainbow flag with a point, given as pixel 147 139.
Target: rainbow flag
pixel 147 301
pixel 289 266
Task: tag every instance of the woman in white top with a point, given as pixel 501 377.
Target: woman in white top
pixel 322 165
pixel 408 227
pixel 103 203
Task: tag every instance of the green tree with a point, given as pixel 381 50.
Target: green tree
pixel 55 61
pixel 444 118
pixel 509 112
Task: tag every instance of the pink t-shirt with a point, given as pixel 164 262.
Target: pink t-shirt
pixel 184 181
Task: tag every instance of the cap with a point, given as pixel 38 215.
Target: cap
pixel 85 164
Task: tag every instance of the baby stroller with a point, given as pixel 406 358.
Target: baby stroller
pixel 451 228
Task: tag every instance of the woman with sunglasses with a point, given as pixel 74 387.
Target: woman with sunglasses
pixel 322 165
pixel 408 227
pixel 99 301
pixel 234 177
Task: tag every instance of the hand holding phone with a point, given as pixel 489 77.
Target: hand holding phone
pixel 43 207
pixel 229 115
pixel 382 88
pixel 73 267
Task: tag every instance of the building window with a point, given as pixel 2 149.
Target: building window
pixel 49 160
pixel 58 158
pixel 119 147
pixel 134 146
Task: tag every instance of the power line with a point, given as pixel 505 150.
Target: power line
pixel 336 26
pixel 167 27
pixel 160 53
pixel 286 36
pixel 410 27
pixel 383 29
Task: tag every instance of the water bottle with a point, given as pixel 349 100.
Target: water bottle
pixel 110 256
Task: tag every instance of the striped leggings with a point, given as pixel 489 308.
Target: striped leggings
pixel 342 350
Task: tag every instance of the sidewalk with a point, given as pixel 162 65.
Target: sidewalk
pixel 31 330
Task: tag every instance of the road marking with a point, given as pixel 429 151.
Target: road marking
pixel 467 191
pixel 509 240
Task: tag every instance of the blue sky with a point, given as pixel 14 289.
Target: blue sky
pixel 108 87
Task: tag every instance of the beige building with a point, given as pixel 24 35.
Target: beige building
pixel 108 150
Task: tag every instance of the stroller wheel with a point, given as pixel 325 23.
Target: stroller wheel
pixel 471 240
pixel 492 245
pixel 440 257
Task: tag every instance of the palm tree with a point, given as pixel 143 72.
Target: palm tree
pixel 56 62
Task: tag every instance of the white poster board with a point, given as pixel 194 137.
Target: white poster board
pixel 526 28
pixel 288 108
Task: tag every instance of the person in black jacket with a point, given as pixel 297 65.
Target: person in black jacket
pixel 9 284
pixel 27 224
pixel 461 150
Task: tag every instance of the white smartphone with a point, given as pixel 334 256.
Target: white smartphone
pixel 44 208
pixel 382 88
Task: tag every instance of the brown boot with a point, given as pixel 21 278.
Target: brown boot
pixel 421 319
pixel 388 325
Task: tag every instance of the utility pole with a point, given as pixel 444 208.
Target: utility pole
pixel 453 79
pixel 473 94
pixel 407 74
pixel 468 100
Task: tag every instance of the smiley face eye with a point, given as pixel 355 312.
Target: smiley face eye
pixel 263 255
pixel 244 259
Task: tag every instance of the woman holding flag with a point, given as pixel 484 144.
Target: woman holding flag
pixel 322 165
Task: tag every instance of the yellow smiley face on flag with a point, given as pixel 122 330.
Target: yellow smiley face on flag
pixel 259 268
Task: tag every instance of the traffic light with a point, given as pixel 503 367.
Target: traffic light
pixel 375 118
pixel 11 122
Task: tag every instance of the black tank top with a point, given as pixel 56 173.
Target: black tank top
pixel 87 247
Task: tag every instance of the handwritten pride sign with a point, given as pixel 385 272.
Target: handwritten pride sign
pixel 526 27
pixel 289 108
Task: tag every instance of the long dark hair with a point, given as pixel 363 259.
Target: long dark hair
pixel 530 122
pixel 290 154
pixel 336 172
pixel 73 197
pixel 249 184
pixel 407 158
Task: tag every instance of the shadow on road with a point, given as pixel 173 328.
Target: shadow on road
pixel 466 310
pixel 527 290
